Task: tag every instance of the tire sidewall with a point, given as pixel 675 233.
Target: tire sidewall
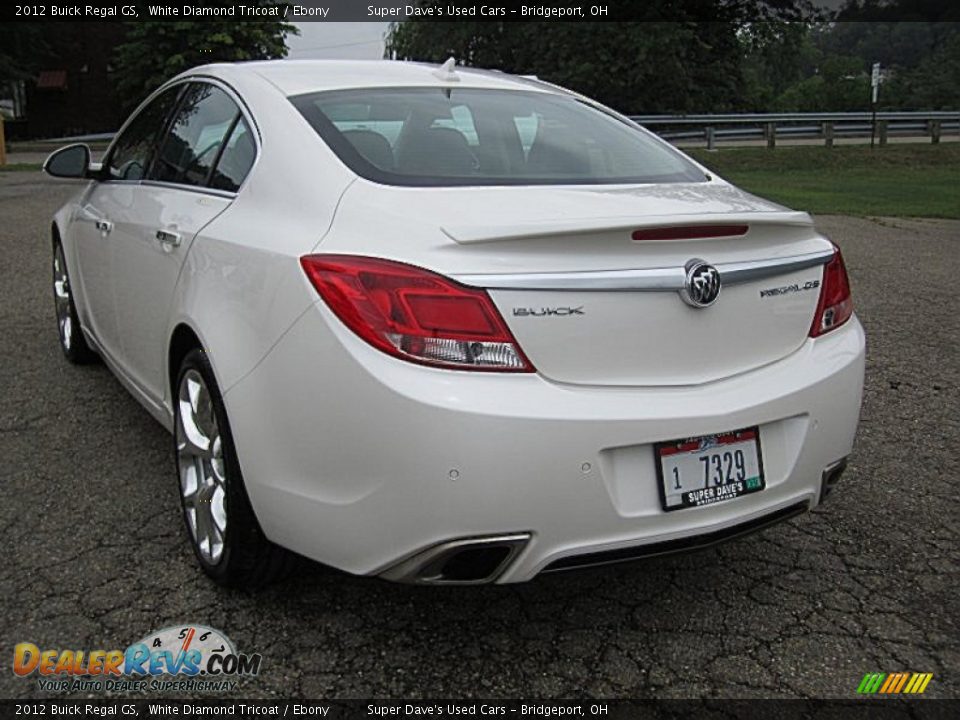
pixel 74 352
pixel 236 501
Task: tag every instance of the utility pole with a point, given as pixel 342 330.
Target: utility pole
pixel 874 89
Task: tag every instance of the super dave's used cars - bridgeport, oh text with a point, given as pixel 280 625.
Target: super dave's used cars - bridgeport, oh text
pixel 445 325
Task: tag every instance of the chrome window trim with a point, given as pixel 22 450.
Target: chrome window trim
pixel 669 279
pixel 192 188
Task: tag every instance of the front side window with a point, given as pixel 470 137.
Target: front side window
pixel 442 136
pixel 190 150
pixel 131 152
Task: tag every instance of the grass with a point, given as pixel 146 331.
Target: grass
pixel 896 180
pixel 20 167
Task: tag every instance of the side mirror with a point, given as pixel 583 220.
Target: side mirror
pixel 72 161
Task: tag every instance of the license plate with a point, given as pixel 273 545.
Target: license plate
pixel 705 470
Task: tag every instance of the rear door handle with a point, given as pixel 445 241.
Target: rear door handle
pixel 168 239
pixel 104 226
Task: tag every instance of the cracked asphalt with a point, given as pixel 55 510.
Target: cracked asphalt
pixel 95 554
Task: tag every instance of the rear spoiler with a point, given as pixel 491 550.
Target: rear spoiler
pixel 469 234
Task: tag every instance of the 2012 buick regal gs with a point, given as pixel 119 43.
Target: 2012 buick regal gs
pixel 444 325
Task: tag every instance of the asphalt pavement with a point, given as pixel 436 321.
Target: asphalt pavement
pixel 95 555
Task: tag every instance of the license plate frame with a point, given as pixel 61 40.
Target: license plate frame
pixel 697 446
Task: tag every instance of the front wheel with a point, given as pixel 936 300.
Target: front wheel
pixel 72 342
pixel 227 540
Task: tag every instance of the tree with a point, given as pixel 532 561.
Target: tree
pixel 920 61
pixel 666 61
pixel 934 84
pixel 841 84
pixel 156 51
pixel 22 49
pixel 636 67
pixel 775 56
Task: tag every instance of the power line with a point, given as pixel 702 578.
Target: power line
pixel 333 47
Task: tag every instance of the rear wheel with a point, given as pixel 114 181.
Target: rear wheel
pixel 221 525
pixel 72 342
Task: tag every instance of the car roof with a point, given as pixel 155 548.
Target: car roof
pixel 296 77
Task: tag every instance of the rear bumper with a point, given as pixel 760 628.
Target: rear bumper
pixel 364 462
pixel 689 543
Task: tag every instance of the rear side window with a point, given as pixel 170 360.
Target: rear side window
pixel 204 119
pixel 473 136
pixel 236 158
pixel 131 152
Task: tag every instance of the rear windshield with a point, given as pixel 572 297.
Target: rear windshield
pixel 438 137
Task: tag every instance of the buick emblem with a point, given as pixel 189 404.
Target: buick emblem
pixel 702 286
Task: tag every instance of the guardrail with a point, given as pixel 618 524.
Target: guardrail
pixel 826 126
pixel 759 126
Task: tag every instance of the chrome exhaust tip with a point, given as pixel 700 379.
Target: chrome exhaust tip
pixel 465 561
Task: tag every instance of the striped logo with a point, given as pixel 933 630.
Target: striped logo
pixel 902 683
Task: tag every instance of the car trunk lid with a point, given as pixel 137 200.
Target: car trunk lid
pixel 589 304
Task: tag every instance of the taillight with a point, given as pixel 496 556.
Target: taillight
pixel 415 314
pixel 835 306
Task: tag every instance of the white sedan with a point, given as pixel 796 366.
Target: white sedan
pixel 445 325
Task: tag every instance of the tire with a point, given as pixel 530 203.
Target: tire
pixel 221 525
pixel 72 341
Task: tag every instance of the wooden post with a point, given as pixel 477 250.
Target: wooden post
pixel 711 139
pixel 770 130
pixel 828 134
pixel 3 144
pixel 934 131
pixel 882 129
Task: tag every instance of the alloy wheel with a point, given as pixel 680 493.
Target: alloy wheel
pixel 61 295
pixel 203 485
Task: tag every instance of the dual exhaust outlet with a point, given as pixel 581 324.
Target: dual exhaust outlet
pixel 467 561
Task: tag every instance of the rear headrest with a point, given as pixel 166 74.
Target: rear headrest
pixel 438 150
pixel 564 155
pixel 373 146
